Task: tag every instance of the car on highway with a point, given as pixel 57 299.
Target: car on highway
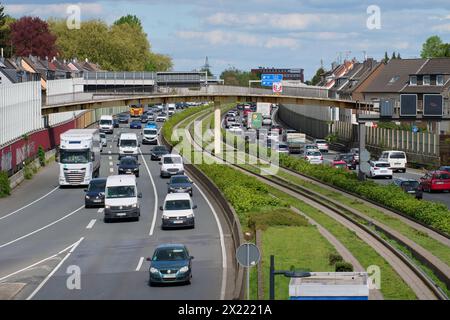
pixel 121 198
pixel 135 124
pixel 277 128
pixel 229 121
pixel 103 140
pixel 232 114
pixel 128 145
pixel 355 152
pixel 151 116
pixel 144 118
pixel 116 123
pixel 309 147
pixel 106 124
pixel 150 134
pixel 157 152
pixel 161 117
pixel 322 145
pixel 339 164
pixel 129 165
pixel 409 186
pixel 170 263
pixel 180 183
pixel 349 159
pixel 274 135
pixel 267 120
pixel 178 211
pixel 282 148
pixel 435 181
pixel 379 169
pixel 171 164
pixel 123 118
pixel 397 159
pixel 235 128
pixel 95 193
pixel 314 157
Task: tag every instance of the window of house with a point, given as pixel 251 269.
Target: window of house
pixel 413 80
pixel 440 80
pixel 426 80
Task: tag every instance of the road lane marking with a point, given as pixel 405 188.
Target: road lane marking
pixel 91 224
pixel 100 210
pixel 110 146
pixel 141 260
pixel 155 210
pixel 222 245
pixel 111 170
pixel 40 229
pixel 110 163
pixel 37 263
pixel 31 203
pixel 109 151
pixel 110 157
pixel 54 270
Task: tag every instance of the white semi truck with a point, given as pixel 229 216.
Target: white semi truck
pixel 79 156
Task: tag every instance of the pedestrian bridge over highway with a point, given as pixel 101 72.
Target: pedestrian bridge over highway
pixel 301 95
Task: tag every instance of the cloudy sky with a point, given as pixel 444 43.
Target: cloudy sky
pixel 281 33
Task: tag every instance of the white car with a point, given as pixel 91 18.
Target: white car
pixel 121 198
pixel 379 169
pixel 171 164
pixel 267 121
pixel 273 135
pixel 161 117
pixel 235 128
pixel 396 159
pixel 314 157
pixel 282 148
pixel 322 145
pixel 178 211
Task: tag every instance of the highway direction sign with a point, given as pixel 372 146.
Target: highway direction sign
pixel 267 79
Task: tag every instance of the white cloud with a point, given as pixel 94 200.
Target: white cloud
pixel 441 28
pixel 52 10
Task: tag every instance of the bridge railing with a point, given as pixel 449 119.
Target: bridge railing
pixel 112 75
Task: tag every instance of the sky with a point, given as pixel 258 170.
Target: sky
pixel 247 34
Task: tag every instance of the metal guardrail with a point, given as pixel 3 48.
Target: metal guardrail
pixel 110 75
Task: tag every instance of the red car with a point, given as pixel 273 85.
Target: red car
pixel 340 164
pixel 435 181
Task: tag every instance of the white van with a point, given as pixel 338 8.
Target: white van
pixel 121 198
pixel 178 211
pixel 106 124
pixel 171 109
pixel 171 164
pixel 128 145
pixel 397 159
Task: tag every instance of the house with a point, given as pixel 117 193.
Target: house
pixel 337 71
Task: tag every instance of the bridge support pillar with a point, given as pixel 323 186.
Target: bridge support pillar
pixel 217 127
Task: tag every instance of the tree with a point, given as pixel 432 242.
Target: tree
pixel 393 56
pixel 235 77
pixel 31 36
pixel 433 48
pixel 398 56
pixel 2 15
pixel 317 77
pixel 132 20
pixel 158 62
pixel 386 58
pixel 5 32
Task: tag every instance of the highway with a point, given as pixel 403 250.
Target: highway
pixel 46 234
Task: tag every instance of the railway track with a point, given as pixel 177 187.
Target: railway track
pixel 423 286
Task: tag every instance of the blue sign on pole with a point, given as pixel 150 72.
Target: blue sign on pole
pixel 415 129
pixel 268 79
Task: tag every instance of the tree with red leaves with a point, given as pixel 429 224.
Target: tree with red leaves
pixel 31 36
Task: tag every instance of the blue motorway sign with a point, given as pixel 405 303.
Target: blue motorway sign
pixel 267 80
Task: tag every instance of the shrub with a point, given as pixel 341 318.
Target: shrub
pixel 343 266
pixel 277 217
pixel 334 258
pixel 41 155
pixel 5 188
pixel 433 214
pixel 28 171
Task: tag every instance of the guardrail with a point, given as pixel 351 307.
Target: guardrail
pixel 230 216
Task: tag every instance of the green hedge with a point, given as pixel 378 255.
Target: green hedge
pixel 176 118
pixel 433 214
pixel 5 188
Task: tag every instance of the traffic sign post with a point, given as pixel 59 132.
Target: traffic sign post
pixel 277 87
pixel 248 255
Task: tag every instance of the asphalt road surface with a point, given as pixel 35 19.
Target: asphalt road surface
pixel 40 220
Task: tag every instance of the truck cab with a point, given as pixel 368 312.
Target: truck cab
pixel 79 156
pixel 128 145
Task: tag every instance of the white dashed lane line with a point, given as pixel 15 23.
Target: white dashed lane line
pixel 141 261
pixel 91 224
pixel 111 170
pixel 100 210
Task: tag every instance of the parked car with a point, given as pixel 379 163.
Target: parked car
pixel 170 263
pixel 123 118
pixel 314 157
pixel 355 152
pixel 397 159
pixel 380 169
pixel 136 124
pixel 410 186
pixel 349 159
pixel 178 211
pixel 157 152
pixel 322 145
pixel 435 181
pixel 129 165
pixel 95 193
pixel 180 183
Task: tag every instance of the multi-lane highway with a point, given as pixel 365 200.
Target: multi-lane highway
pixel 47 237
